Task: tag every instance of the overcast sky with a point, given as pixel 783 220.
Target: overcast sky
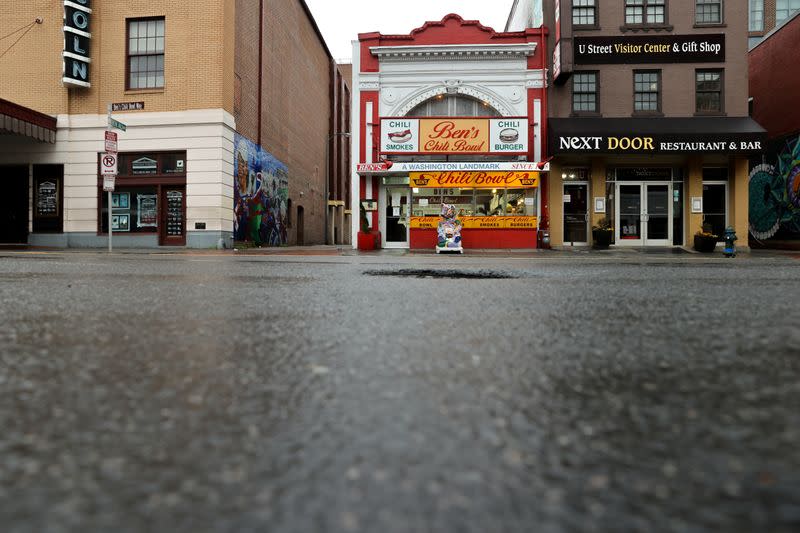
pixel 342 20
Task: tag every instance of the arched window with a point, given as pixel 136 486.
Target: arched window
pixel 454 105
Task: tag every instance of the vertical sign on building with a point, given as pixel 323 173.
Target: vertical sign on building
pixel 77 40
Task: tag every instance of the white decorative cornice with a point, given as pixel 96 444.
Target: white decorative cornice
pixel 426 93
pixel 453 52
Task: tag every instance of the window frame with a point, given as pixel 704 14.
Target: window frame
pixel 721 20
pixel 659 93
pixel 596 111
pixel 721 110
pixel 789 10
pixel 756 6
pixel 593 26
pixel 634 26
pixel 128 55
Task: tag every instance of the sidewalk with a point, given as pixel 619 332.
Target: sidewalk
pixel 346 250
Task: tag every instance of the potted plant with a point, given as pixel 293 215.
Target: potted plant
pixel 602 233
pixel 704 240
pixel 367 239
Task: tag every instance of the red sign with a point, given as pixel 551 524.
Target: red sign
pixel 111 141
pixel 372 167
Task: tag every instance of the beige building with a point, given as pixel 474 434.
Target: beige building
pixel 227 108
pixel 649 126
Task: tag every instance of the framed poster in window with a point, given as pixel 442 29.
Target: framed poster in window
pixel 47 204
pixel 120 222
pixel 120 200
pixel 147 210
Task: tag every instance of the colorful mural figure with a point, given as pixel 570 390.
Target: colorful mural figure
pixel 775 195
pixel 260 195
pixel 449 231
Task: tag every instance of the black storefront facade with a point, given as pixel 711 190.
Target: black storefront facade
pixel 656 181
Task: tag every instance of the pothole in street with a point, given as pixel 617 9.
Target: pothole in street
pixel 448 274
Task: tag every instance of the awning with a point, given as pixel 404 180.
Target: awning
pixel 657 135
pixel 18 120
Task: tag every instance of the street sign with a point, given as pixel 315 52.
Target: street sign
pixel 116 124
pixel 127 106
pixel 108 183
pixel 108 164
pixel 111 142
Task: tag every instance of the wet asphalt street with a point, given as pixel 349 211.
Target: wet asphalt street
pixel 552 393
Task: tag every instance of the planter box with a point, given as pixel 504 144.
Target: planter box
pixel 369 241
pixel 705 244
pixel 601 238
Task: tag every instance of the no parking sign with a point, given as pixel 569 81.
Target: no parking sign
pixel 108 164
pixel 108 169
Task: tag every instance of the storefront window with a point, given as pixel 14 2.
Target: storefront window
pixel 476 202
pixel 490 202
pixel 134 210
pixel 461 199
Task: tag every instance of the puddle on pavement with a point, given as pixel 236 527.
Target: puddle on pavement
pixel 446 274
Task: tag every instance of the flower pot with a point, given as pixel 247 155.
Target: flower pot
pixel 602 238
pixel 370 240
pixel 705 244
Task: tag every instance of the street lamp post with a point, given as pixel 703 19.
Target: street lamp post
pixel 328 177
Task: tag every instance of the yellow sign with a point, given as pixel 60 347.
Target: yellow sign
pixel 475 180
pixel 454 136
pixel 478 222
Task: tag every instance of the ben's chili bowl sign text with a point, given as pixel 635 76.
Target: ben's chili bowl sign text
pixel 478 180
pixel 462 135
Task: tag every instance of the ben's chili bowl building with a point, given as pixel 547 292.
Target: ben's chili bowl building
pixel 451 113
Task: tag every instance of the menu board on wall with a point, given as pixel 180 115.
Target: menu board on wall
pixel 174 213
pixel 148 211
pixel 47 199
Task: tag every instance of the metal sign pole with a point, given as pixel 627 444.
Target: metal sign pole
pixel 110 231
pixel 109 221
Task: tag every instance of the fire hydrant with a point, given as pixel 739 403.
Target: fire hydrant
pixel 730 248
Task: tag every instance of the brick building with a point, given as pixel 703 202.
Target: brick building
pixel 228 128
pixel 765 15
pixel 649 125
pixel 775 172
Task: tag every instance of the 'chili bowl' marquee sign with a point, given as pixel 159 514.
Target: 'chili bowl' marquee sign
pixel 77 40
pixel 477 180
pixel 462 135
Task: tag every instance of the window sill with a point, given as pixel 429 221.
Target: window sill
pixel 645 27
pixel 647 114
pixel 710 25
pixel 710 114
pixel 155 90
pixel 586 114
pixel 586 27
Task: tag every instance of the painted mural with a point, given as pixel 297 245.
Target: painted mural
pixel 260 195
pixel 775 195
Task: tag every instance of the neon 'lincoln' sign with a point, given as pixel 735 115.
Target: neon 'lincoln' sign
pixel 77 40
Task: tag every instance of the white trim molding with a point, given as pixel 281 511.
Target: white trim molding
pixel 426 93
pixel 453 52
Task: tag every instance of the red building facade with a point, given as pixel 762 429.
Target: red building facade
pixel 453 112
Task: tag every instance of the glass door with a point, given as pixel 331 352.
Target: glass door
pixel 396 217
pixel 576 214
pixel 644 212
pixel 657 215
pixel 629 214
